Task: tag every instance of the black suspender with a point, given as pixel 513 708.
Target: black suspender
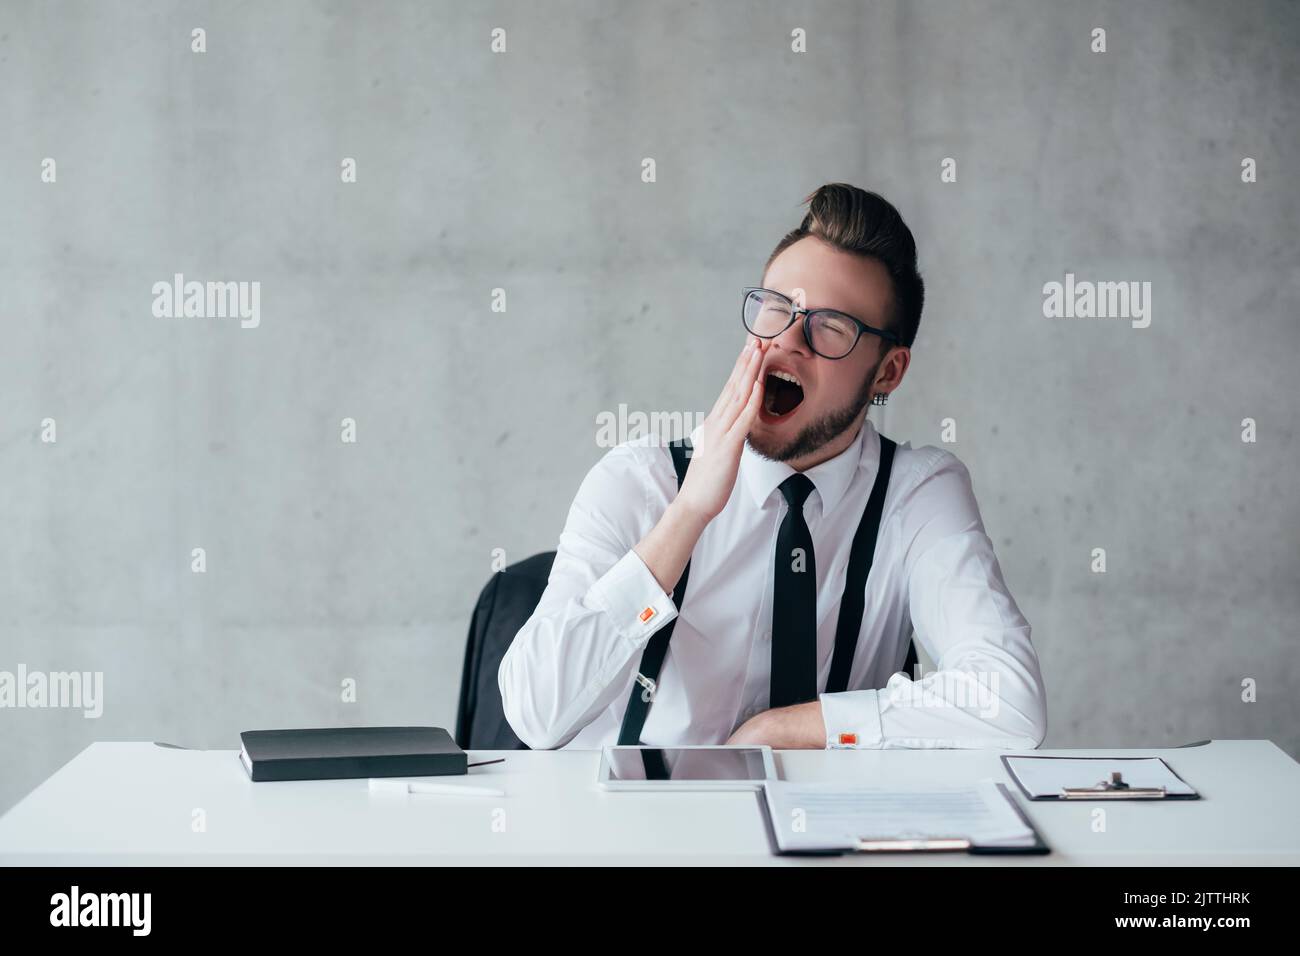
pixel 854 599
pixel 652 658
pixel 852 602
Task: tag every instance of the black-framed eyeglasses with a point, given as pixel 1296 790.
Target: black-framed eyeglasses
pixel 830 333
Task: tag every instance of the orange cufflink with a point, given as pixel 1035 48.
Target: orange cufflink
pixel 647 614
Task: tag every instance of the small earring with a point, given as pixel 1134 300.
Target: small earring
pixel 880 398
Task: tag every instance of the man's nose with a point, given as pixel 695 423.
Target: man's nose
pixel 792 339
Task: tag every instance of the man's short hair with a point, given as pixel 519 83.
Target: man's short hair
pixel 866 224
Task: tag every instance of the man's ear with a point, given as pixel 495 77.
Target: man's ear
pixel 889 375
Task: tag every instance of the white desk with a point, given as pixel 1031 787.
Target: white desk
pixel 134 803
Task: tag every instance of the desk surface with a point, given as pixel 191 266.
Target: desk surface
pixel 137 803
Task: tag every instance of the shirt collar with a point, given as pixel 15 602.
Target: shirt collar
pixel 762 476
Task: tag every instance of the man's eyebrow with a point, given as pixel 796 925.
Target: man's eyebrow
pixel 831 308
pixel 875 321
pixel 871 320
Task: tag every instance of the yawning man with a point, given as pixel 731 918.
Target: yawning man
pixel 762 584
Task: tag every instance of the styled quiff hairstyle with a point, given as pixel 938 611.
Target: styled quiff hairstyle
pixel 866 224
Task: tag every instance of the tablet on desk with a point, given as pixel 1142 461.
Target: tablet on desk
pixel 685 768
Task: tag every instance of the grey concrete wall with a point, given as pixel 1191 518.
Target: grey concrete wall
pixel 329 561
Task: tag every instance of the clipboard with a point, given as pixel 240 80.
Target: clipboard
pixel 1102 789
pixel 1037 848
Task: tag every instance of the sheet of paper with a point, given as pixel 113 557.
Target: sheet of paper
pixel 1045 776
pixel 811 816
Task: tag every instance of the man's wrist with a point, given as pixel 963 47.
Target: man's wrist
pixel 686 519
pixel 666 550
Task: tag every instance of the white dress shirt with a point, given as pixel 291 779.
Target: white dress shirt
pixel 566 679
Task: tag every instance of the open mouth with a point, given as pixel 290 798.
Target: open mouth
pixel 782 394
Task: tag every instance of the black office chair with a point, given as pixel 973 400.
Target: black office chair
pixel 503 607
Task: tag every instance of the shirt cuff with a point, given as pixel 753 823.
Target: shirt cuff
pixel 852 720
pixel 633 600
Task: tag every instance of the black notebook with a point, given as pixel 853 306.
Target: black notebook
pixel 331 753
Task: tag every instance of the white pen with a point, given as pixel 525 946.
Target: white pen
pixel 398 785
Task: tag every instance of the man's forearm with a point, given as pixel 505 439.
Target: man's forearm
pixel 798 727
pixel 668 546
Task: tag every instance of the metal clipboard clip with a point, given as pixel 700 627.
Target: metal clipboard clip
pixel 908 844
pixel 1113 789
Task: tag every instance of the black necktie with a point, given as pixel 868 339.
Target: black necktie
pixel 794 604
